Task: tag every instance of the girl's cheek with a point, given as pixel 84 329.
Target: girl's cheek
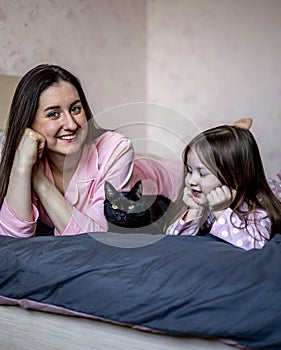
pixel 186 180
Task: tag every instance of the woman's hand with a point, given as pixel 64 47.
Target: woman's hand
pixel 30 148
pixel 220 198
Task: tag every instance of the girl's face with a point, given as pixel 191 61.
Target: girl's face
pixel 60 118
pixel 199 179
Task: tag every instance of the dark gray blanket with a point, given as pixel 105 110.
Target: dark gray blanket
pixel 177 285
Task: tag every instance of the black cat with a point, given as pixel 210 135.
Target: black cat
pixel 132 212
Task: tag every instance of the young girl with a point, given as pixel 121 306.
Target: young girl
pixel 226 192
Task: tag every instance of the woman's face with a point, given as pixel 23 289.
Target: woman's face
pixel 199 179
pixel 60 118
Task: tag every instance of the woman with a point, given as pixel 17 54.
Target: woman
pixel 55 159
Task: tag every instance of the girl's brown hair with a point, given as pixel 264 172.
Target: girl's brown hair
pixel 231 153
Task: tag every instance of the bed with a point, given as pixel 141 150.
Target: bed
pixel 136 291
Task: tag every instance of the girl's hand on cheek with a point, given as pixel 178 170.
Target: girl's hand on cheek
pixel 194 208
pixel 189 199
pixel 220 198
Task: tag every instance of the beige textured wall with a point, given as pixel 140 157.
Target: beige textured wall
pixel 218 60
pixel 199 62
pixel 8 84
pixel 101 41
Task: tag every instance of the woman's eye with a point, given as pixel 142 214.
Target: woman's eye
pixel 54 115
pixel 114 206
pixel 131 206
pixel 76 109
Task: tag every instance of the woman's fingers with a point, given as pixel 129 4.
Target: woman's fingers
pixel 31 147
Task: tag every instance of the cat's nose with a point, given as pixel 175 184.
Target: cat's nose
pixel 120 217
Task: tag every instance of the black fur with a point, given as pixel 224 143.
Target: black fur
pixel 132 212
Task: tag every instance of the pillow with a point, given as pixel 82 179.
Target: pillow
pixel 180 285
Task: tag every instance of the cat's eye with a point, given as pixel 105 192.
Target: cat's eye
pixel 114 206
pixel 131 206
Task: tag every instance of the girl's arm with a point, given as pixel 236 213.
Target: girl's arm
pixel 185 228
pixel 230 228
pixel 189 222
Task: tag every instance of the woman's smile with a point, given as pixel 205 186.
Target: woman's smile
pixel 69 137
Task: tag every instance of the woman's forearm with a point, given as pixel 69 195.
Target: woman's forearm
pixel 57 207
pixel 18 194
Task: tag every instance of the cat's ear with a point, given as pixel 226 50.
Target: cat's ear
pixel 137 189
pixel 109 189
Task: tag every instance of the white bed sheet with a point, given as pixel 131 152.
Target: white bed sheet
pixel 22 329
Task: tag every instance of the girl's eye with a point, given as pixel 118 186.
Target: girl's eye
pixel 76 109
pixel 203 174
pixel 131 206
pixel 54 115
pixel 114 206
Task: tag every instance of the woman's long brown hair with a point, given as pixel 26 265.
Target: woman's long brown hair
pixel 23 109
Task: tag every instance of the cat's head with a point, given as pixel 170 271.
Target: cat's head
pixel 123 201
pixel 132 209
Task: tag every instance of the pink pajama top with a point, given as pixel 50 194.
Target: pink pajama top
pixel 229 227
pixel 109 157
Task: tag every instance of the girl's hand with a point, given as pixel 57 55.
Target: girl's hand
pixel 189 199
pixel 220 198
pixel 194 209
pixel 30 148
